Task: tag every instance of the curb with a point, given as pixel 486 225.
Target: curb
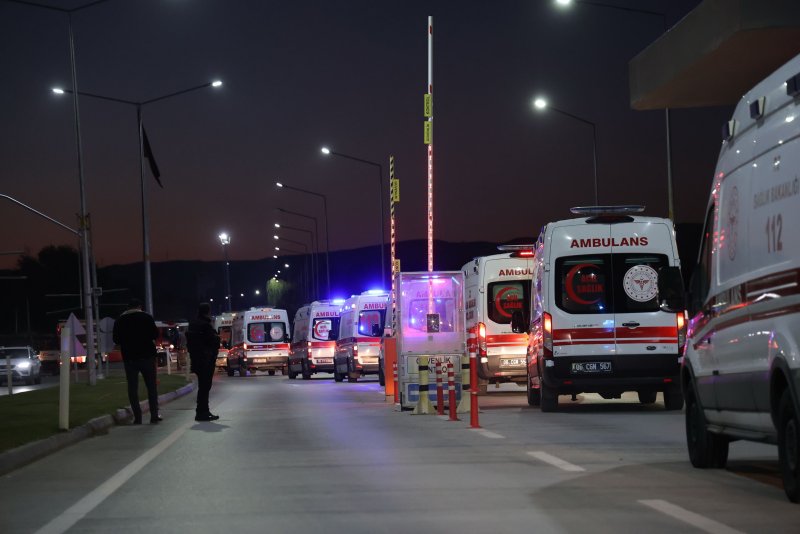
pixel 30 452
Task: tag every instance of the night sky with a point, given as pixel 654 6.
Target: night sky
pixel 348 74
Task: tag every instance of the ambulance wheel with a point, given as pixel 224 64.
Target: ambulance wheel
pixel 381 378
pixel 292 374
pixel 306 372
pixel 673 398
pixel 337 376
pixel 706 449
pixel 230 372
pixel 789 446
pixel 271 372
pixel 549 399
pixel 534 395
pixel 647 397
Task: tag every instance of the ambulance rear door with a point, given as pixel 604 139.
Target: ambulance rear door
pixel 639 250
pixel 581 305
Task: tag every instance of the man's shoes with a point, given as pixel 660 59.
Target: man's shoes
pixel 206 417
pixel 156 419
pixel 137 421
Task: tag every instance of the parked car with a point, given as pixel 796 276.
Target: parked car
pixel 24 363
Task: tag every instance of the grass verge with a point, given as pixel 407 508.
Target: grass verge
pixel 33 415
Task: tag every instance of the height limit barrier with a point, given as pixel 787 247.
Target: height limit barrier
pixel 430 332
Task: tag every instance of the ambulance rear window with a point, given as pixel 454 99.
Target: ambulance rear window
pixel 636 282
pixel 504 298
pixel 582 284
pixel 367 320
pixel 323 329
pixel 268 332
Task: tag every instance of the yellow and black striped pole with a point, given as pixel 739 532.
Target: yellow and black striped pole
pixel 424 403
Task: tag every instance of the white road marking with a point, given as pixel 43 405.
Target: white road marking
pixel 83 507
pixel 555 461
pixel 487 433
pixel 696 520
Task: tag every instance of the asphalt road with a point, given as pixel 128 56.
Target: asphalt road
pixel 312 456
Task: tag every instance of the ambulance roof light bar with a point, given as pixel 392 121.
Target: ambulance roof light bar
pixel 590 211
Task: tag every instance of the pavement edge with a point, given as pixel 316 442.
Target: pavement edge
pixel 30 452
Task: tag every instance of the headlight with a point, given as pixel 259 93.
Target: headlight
pixel 24 365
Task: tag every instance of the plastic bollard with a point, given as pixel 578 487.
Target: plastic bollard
pixel 396 388
pixel 473 383
pixel 451 391
pixel 439 389
pixel 424 403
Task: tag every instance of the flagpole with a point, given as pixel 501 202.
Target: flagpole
pixel 148 282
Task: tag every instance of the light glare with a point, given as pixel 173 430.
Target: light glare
pixel 58 90
pixel 326 150
pixel 216 83
pixel 540 103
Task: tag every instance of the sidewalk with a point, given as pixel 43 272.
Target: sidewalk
pixel 30 452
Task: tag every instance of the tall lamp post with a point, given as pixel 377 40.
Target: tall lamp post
pixel 541 104
pixel 324 198
pixel 663 16
pixel 83 214
pixel 148 282
pixel 304 251
pixel 225 240
pixel 313 240
pixel 328 152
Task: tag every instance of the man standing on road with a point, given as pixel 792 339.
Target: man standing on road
pixel 135 332
pixel 203 344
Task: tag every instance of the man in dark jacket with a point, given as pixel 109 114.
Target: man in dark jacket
pixel 135 332
pixel 203 344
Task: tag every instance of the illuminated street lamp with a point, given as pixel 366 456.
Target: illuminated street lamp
pixel 143 149
pixel 314 243
pixel 225 240
pixel 541 104
pixel 281 185
pixel 663 16
pixel 328 152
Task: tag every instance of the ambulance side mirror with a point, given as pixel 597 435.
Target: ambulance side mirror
pixel 670 290
pixel 518 325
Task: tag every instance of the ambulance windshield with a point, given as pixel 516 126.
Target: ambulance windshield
pixel 268 332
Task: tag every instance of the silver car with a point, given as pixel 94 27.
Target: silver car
pixel 24 363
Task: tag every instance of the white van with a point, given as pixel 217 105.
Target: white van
pixel 495 288
pixel 314 341
pixel 597 324
pixel 741 368
pixel 259 341
pixel 358 344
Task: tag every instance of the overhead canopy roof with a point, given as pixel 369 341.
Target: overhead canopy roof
pixel 715 54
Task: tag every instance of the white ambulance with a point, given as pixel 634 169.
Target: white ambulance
pixel 741 367
pixel 358 344
pixel 259 341
pixel 495 288
pixel 597 324
pixel 223 324
pixel 314 341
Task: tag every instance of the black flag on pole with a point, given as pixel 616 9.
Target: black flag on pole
pixel 149 155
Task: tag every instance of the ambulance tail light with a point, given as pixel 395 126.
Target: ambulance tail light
pixel 680 319
pixel 481 339
pixel 244 346
pixel 547 335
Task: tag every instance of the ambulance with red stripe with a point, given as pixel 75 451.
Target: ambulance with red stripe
pixel 597 323
pixel 314 341
pixel 259 341
pixel 495 288
pixel 222 325
pixel 358 346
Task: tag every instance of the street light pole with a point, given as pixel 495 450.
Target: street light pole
pixel 327 226
pixel 314 243
pixel 327 151
pixel 663 16
pixel 148 283
pixel 225 240
pixel 541 103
